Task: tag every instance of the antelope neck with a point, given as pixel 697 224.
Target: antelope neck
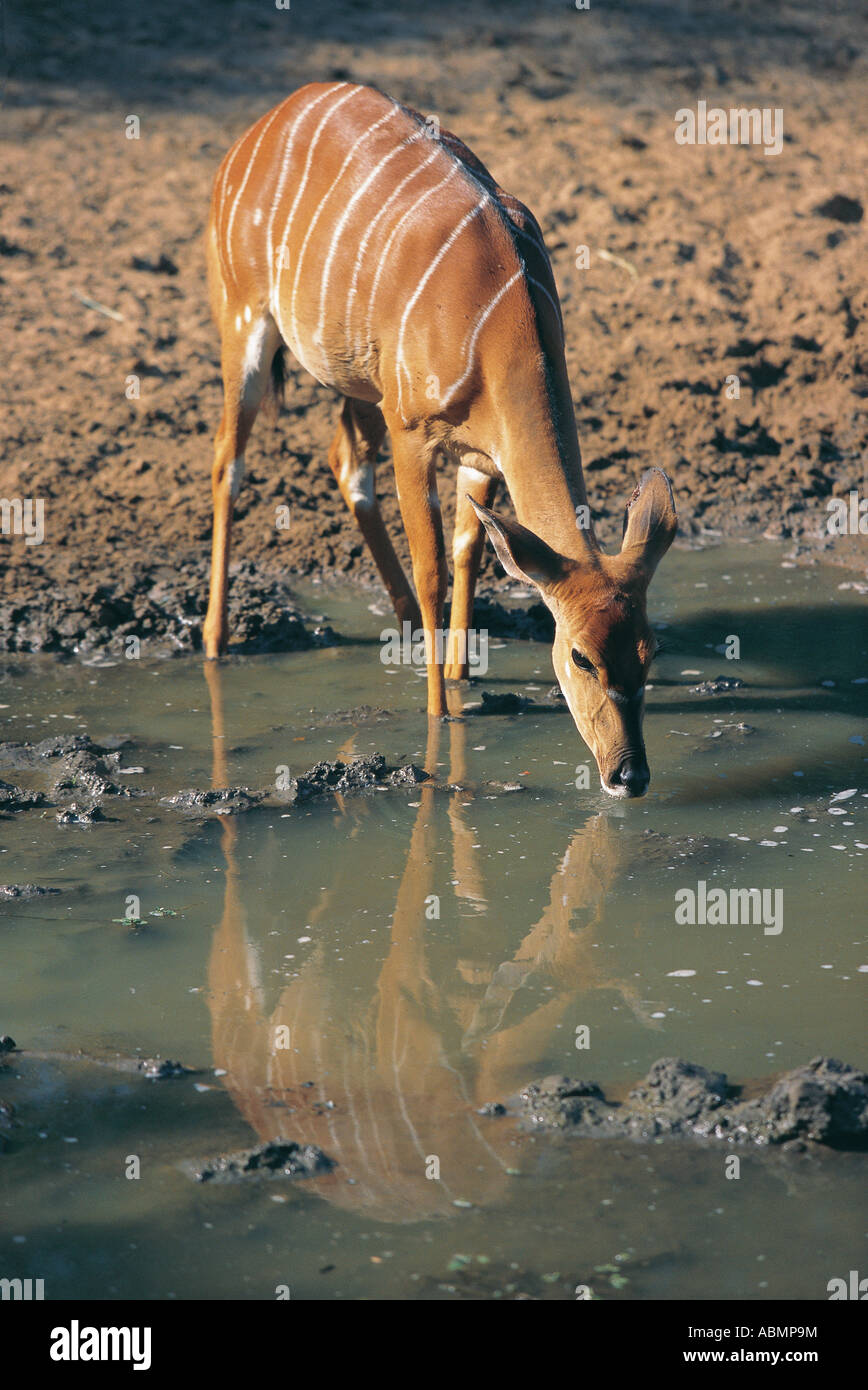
pixel 539 454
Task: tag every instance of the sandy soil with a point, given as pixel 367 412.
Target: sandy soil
pixel 726 265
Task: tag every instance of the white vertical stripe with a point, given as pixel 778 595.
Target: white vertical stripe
pixel 387 248
pixel 363 246
pixel 221 201
pixel 284 170
pixel 342 222
pixel 390 115
pixel 468 349
pixel 265 129
pixel 413 300
pixel 535 237
pixel 275 308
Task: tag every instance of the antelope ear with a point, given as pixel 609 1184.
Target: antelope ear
pixel 523 554
pixel 650 522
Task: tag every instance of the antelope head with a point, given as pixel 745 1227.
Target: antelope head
pixel 603 644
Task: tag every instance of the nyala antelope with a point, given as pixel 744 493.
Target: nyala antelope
pixel 383 254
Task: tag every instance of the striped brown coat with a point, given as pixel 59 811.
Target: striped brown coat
pixel 383 254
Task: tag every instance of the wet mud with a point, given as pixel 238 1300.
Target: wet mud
pixel 269 1160
pixel 705 266
pixel 78 775
pixel 822 1103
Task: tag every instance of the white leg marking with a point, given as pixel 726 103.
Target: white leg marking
pixel 359 485
pixel 235 476
pixel 252 364
pixel 463 542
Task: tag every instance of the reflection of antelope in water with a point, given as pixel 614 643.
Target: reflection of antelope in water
pixel 402 1078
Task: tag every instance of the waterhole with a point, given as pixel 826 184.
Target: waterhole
pixel 366 972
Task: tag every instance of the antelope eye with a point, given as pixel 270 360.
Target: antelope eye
pixel 582 662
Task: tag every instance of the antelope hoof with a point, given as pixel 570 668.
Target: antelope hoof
pixel 214 647
pixel 407 611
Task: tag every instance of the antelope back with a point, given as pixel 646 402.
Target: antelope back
pixel 383 250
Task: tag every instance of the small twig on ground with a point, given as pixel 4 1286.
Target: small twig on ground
pixel 619 260
pixel 100 308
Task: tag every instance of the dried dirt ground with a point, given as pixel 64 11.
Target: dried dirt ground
pixel 729 262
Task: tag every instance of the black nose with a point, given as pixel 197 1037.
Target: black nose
pixel 634 775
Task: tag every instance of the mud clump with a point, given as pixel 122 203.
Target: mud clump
pixel 81 774
pixel 532 624
pixel 222 801
pixel 672 850
pixel 840 208
pixel 719 685
pixel 14 798
pixel 726 736
pixel 152 1068
pixel 360 774
pixel 90 770
pixel 478 1278
pixel 162 607
pixel 275 1159
pixel 369 773
pixel 163 1069
pixel 676 1096
pixel 73 814
pixel 22 892
pixel 263 617
pixel 561 1103
pixel 824 1102
pixel 509 702
pixel 73 751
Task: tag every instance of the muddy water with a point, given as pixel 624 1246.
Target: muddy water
pixel 364 974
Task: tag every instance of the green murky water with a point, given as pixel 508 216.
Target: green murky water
pixel 430 949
